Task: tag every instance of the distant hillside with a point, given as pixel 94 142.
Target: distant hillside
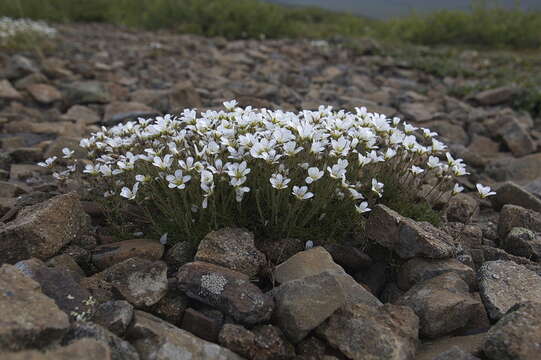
pixel 391 8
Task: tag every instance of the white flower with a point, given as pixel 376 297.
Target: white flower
pixel 67 153
pixel 163 164
pixel 92 169
pixel 308 245
pixel 48 163
pixel 428 134
pixel 230 105
pixel 143 178
pixel 457 189
pixel 362 207
pixel 377 187
pixel 484 191
pixel 314 174
pixel 240 191
pixel 416 170
pixel 163 239
pixel 302 192
pixel 278 181
pixel 433 162
pixel 177 180
pixel 129 193
pixel 438 146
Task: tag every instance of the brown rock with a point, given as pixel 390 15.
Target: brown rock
pixel 512 216
pixel 28 318
pixel 42 230
pixel 461 208
pixel 44 93
pixel 84 349
pixel 115 316
pixel 118 111
pixel 68 265
pixel 82 114
pixel 107 255
pixel 8 92
pixel 418 270
pixel 523 242
pixel 512 194
pixel 201 325
pixel 495 96
pixel 472 344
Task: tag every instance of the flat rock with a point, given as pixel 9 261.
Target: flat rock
pixel 512 216
pixel 226 290
pixel 68 295
pixel 471 344
pixel 84 349
pixel 28 318
pixel 86 92
pixel 362 331
pixel 43 229
pixel 119 111
pixel 139 281
pixel 407 237
pixel 107 255
pixel 44 93
pixel 7 91
pixel 519 170
pixel 156 339
pixel 68 265
pixel 303 304
pixel 232 248
pixel 503 284
pixel 455 353
pixel 418 269
pixel 517 335
pixel 495 96
pixel 510 193
pixel 420 112
pixel 443 304
pixel 523 242
pixel 83 114
pixel 114 316
pixel 315 261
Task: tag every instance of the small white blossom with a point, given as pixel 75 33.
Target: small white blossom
pixel 302 192
pixel 362 207
pixel 484 191
pixel 128 193
pixel 48 163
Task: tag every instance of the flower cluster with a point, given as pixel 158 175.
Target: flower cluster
pixel 274 171
pixel 12 28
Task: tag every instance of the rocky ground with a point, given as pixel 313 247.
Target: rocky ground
pixel 466 290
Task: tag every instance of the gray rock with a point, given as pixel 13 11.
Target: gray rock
pixel 443 304
pixel 513 194
pixel 517 335
pixel 471 344
pixel 42 230
pixel 349 257
pixel 7 91
pixel 179 254
pixel 495 96
pixel 114 316
pixel 303 304
pixel 407 237
pixel 461 208
pixel 141 282
pixel 520 170
pixel 120 349
pixel 503 284
pixel 365 332
pixel 28 318
pixel 85 92
pixel 119 111
pixel 84 349
pixel 523 242
pixel 172 306
pixel 107 255
pixel 516 216
pixel 70 297
pixel 156 339
pixel 455 353
pixel 232 248
pixel 68 265
pixel 418 270
pixel 226 290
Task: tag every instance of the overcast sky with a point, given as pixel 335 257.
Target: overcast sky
pixel 390 8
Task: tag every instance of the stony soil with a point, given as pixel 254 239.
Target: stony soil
pixel 466 290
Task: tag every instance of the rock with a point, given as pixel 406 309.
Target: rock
pixel 28 155
pixel 503 284
pixel 362 331
pixel 57 145
pixel 517 335
pixel 420 112
pixel 516 137
pixel 115 316
pixel 461 208
pixel 520 170
pixel 84 349
pixel 28 319
pixel 182 95
pixel 118 111
pixel 139 281
pixel 42 230
pixel 86 92
pixel 483 145
pixel 67 265
pixel 232 248
pixel 512 194
pixel 455 353
pixel 449 132
pixel 120 349
pixel 265 342
pixel 407 237
pixel 443 304
pixel 179 254
pixel 226 290
pixel 8 92
pixel 523 242
pixel 156 339
pixel 82 114
pixel 108 255
pixel 280 250
pixel 418 270
pixel 516 216
pixel 349 257
pixel 375 277
pixel 10 190
pixel 171 307
pixel 495 96
pixel 44 93
pixel 315 261
pixel 68 295
pixel 201 325
pixel 303 304
pixel 471 344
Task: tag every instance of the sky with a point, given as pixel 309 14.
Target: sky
pixel 383 9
